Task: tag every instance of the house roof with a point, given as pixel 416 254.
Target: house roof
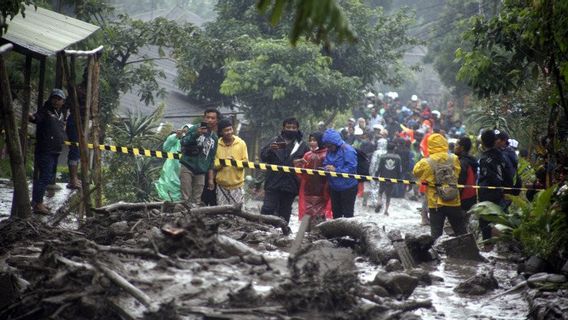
pixel 46 32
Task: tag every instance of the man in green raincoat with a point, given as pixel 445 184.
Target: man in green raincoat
pixel 168 186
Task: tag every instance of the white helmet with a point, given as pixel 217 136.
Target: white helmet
pixel 437 113
pixel 370 95
pixel 414 98
pixel 370 105
pixel 381 96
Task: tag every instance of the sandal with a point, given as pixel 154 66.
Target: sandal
pixel 74 185
pixel 40 208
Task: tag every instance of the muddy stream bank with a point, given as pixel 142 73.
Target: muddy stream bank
pixel 134 264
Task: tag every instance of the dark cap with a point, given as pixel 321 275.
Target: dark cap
pixel 203 124
pixel 501 135
pixel 57 93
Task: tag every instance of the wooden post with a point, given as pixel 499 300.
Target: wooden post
pixel 26 108
pixel 21 199
pixel 41 85
pixel 69 74
pixel 97 174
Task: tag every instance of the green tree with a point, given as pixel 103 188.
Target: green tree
pixel 443 37
pixel 526 40
pixel 315 19
pixel 9 9
pixel 277 81
pixel 373 58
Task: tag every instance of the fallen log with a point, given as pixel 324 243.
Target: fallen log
pixel 373 240
pixel 236 248
pixel 125 285
pixel 236 210
pixel 132 206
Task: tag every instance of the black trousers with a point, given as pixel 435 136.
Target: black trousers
pixel 278 203
pixel 343 202
pixel 438 217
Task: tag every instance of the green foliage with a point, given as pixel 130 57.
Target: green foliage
pixel 382 41
pixel 131 178
pixel 525 41
pixel 278 81
pixel 540 226
pixel 316 19
pixel 443 36
pixel 203 61
pixel 11 8
pixel 519 113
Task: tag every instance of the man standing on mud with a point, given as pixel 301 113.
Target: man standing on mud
pixel 230 180
pixel 428 169
pixel 492 172
pixel 50 134
pixel 198 147
pixel 281 188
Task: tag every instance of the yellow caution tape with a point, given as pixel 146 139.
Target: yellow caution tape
pixel 278 168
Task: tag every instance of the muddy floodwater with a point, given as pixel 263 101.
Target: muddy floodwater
pixel 403 216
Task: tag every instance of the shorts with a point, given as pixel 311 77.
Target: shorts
pixel 386 188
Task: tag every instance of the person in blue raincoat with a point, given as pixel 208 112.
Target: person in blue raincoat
pixel 341 157
pixel 168 186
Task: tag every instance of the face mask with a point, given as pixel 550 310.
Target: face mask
pixel 289 135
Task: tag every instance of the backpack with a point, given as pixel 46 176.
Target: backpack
pixel 362 162
pixel 469 192
pixel 445 178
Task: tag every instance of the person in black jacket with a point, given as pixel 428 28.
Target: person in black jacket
pixel 390 167
pixel 287 149
pixel 492 172
pixel 50 135
pixel 468 173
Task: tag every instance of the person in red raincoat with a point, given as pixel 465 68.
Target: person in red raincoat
pixel 314 197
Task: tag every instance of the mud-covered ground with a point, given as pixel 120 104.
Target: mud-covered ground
pixel 158 265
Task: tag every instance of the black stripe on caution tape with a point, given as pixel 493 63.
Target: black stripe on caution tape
pixel 132 151
pixel 278 168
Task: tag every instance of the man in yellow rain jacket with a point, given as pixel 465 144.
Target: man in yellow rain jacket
pixel 230 180
pixel 439 208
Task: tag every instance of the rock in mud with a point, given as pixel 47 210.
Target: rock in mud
pixel 393 265
pixel 461 247
pixel 546 305
pixel 478 285
pixel 565 268
pixel 340 259
pixel 398 284
pixel 424 277
pixel 419 246
pixel 119 228
pixel 535 265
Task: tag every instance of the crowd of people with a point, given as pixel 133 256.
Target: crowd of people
pixel 408 141
pixel 401 141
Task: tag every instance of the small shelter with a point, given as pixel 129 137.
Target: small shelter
pixel 40 34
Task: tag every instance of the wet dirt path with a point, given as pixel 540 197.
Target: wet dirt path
pixel 403 215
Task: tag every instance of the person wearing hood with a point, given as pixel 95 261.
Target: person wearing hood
pixel 50 135
pixel 286 149
pixel 168 186
pixel 439 208
pixel 468 173
pixel 230 180
pixel 313 198
pixel 341 157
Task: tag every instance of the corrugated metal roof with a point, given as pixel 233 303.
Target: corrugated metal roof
pixel 46 32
